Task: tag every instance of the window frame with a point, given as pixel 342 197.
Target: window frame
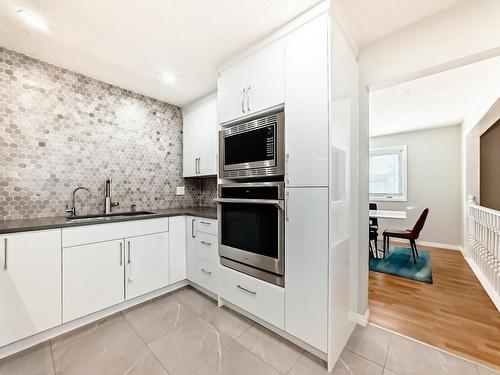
pixel 404 175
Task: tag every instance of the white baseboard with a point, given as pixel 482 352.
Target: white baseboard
pixel 41 337
pixel 358 318
pixel 495 298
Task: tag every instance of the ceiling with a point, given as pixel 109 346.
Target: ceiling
pixel 437 100
pixel 133 43
pixel 368 20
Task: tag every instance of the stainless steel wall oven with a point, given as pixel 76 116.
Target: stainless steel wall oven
pixel 253 148
pixel 251 229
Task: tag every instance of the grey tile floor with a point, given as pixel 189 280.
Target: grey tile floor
pixel 186 333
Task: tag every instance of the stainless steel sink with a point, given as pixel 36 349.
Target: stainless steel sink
pixel 108 216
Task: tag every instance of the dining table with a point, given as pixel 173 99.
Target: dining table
pixel 387 214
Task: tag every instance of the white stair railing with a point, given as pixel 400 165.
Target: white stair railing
pixel 483 247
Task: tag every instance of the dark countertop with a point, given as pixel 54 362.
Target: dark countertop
pixel 24 225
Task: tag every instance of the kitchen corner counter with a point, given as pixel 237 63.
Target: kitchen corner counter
pixel 24 225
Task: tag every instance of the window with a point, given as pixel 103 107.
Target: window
pixel 388 174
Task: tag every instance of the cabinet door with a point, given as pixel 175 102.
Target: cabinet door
pixel 30 284
pixel 191 244
pixel 177 248
pixel 147 265
pixel 92 278
pixel 252 84
pixel 306 265
pixel 200 139
pixel 306 96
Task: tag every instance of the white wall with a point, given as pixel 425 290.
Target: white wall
pixel 434 181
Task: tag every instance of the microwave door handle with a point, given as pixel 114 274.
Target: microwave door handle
pixel 275 202
pixel 243 100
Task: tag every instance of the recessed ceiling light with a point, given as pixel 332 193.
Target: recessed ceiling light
pixel 168 78
pixel 32 19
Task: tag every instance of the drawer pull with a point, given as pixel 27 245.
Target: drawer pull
pixel 247 290
pixel 205 271
pixel 206 243
pixel 205 222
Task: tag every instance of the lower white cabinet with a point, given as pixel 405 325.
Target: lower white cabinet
pixel 92 277
pixel 206 275
pixel 306 265
pixel 147 264
pixel 264 300
pixel 202 252
pixel 30 283
pixel 191 266
pixel 177 248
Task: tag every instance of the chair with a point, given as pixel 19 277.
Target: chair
pixel 373 232
pixel 410 235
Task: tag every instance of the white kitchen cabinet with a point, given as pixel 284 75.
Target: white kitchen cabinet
pixel 92 277
pixel 191 266
pixel 202 252
pixel 253 84
pixel 306 109
pixel 306 265
pixel 264 300
pixel 177 248
pixel 200 139
pixel 147 264
pixel 30 283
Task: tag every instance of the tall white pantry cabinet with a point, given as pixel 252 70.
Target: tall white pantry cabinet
pixel 317 291
pixel 293 72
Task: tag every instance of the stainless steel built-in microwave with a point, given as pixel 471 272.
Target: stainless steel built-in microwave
pixel 253 148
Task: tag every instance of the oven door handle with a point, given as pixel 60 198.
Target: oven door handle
pixel 275 202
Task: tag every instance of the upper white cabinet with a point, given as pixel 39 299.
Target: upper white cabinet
pixel 30 283
pixel 306 265
pixel 147 267
pixel 306 104
pixel 252 84
pixel 92 277
pixel 200 139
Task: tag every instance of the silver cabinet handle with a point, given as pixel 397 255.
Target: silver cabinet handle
pixel 246 290
pixel 287 198
pixel 196 166
pixel 205 271
pixel 243 100
pixel 206 243
pixel 248 99
pixel 5 253
pixel 205 222
pixel 121 254
pixel 192 228
pixel 199 165
pixel 128 251
pixel 287 159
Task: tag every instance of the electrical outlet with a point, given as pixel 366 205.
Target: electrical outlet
pixel 181 190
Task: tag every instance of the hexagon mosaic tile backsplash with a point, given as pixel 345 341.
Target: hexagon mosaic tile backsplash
pixel 60 130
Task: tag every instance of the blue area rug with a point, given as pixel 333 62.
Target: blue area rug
pixel 399 262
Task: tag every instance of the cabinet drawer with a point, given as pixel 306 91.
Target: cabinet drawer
pixel 206 247
pixel 265 301
pixel 206 275
pixel 84 234
pixel 207 226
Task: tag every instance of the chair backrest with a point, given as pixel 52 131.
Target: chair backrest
pixel 373 221
pixel 419 225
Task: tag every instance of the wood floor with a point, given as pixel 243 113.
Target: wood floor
pixel 454 313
